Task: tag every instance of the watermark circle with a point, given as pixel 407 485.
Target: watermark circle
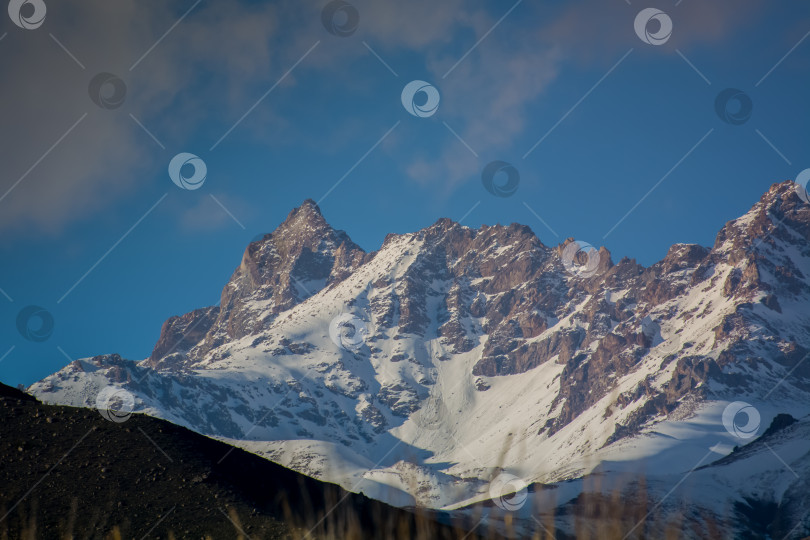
pixel 182 179
pixel 108 91
pixel 733 106
pixel 340 18
pixel 35 323
pixel 115 404
pixel 431 414
pixel 741 419
pixel 671 345
pixel 31 21
pixel 508 492
pixel 651 328
pixel 500 178
pixel 572 259
pixel 802 181
pixel 642 26
pixel 348 332
pixel 422 110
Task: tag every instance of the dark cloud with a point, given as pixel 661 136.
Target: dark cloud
pixel 206 70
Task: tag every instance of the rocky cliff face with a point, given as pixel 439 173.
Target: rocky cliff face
pixel 452 349
pixel 301 257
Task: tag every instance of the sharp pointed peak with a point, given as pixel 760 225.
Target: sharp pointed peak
pixel 307 222
pixel 785 205
pixel 307 207
pixel 308 212
pixel 311 204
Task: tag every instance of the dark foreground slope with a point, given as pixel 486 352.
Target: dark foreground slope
pixel 69 473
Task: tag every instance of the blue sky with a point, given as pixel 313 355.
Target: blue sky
pixel 617 117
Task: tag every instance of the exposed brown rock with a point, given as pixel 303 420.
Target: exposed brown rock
pixel 501 289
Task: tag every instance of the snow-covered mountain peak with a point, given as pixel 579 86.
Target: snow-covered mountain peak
pixel 307 220
pixel 302 256
pixel 451 351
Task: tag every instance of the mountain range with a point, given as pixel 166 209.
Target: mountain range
pixel 456 366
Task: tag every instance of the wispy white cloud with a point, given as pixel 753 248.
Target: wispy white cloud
pixel 224 53
pixel 209 69
pixel 488 96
